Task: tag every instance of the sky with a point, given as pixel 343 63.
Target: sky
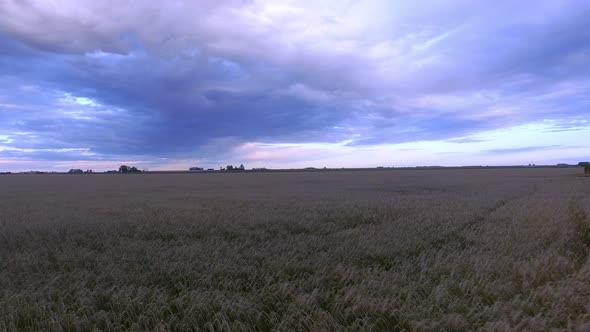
pixel 286 84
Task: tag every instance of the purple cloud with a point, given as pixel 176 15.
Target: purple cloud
pixel 165 80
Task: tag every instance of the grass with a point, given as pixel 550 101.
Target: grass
pixel 489 249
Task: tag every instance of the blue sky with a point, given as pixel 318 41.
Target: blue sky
pixel 173 84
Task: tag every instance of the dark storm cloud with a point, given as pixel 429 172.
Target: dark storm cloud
pixel 167 105
pixel 169 79
pixel 163 106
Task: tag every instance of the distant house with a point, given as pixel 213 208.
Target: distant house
pixel 195 169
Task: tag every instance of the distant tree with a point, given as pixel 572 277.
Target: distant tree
pixel 241 168
pixel 75 171
pixel 584 163
pixel 229 167
pixel 128 169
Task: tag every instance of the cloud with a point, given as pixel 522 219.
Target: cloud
pixel 172 80
pixel 466 140
pixel 525 149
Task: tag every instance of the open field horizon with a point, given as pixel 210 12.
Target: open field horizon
pixel 291 170
pixel 438 249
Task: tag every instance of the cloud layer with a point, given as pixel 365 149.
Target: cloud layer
pixel 175 80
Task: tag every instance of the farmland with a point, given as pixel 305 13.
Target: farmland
pixel 439 249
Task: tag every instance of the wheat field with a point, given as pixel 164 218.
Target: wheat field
pixel 391 250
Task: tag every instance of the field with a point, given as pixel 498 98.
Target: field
pixel 492 249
